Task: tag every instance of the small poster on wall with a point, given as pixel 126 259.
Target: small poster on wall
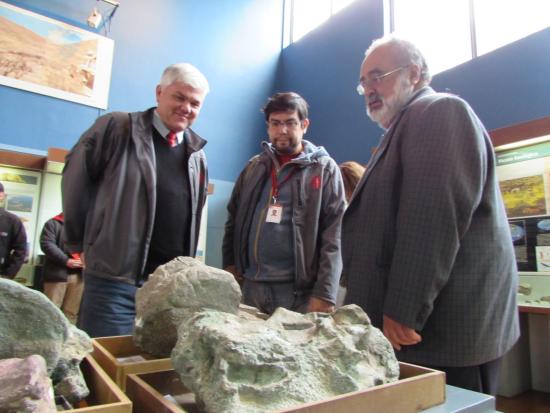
pixel 45 56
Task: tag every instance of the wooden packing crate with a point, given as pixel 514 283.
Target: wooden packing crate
pixel 119 356
pixel 418 388
pixel 105 396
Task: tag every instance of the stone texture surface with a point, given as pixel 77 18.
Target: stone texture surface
pixel 36 326
pixel 67 376
pixel 25 386
pixel 172 294
pixel 235 364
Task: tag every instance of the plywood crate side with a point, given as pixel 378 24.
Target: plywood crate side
pixel 108 350
pixel 417 389
pixel 105 396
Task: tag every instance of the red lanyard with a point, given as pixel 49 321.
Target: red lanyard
pixel 275 185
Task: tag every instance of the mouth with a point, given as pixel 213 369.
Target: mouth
pixel 374 103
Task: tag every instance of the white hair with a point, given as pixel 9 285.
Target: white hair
pixel 407 51
pixel 185 73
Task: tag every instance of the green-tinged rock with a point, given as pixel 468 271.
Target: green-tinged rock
pixel 173 294
pixel 233 364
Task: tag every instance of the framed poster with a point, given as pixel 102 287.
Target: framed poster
pixel 45 56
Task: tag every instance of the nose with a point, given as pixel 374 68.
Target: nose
pixel 185 106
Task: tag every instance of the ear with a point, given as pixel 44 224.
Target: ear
pixel 415 74
pixel 158 92
pixel 305 124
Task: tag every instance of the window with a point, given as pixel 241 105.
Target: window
pixel 302 16
pixel 454 31
pixel 499 22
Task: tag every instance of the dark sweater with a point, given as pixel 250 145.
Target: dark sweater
pixel 172 215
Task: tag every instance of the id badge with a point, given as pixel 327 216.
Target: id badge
pixel 274 213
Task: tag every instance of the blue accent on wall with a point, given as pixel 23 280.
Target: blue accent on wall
pixel 236 44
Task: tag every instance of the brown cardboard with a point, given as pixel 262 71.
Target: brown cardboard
pixel 105 396
pixel 418 388
pixel 108 350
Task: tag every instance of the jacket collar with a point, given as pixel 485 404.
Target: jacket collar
pixel 143 124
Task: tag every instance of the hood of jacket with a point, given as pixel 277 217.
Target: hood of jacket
pixel 310 153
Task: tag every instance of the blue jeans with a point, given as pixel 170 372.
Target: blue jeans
pixel 107 307
pixel 268 296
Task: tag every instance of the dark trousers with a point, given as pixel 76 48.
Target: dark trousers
pixel 268 296
pixel 107 307
pixel 483 378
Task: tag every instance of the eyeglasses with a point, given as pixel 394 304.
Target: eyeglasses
pixel 290 123
pixel 375 80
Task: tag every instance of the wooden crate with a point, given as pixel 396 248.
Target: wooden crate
pixel 119 356
pixel 105 396
pixel 418 388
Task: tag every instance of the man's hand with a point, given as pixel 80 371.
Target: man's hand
pixel 399 334
pixel 319 306
pixel 74 263
pixel 233 270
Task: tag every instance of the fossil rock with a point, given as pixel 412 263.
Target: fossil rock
pixel 236 364
pixel 25 386
pixel 36 326
pixel 525 288
pixel 172 294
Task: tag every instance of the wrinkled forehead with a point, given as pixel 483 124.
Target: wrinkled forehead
pixel 380 60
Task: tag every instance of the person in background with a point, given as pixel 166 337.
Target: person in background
pixel 426 244
pixel 133 191
pixel 13 241
pixel 62 272
pixel 282 235
pixel 351 174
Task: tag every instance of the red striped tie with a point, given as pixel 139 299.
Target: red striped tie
pixel 172 139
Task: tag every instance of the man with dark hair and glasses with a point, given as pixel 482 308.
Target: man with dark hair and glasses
pixel 282 235
pixel 426 246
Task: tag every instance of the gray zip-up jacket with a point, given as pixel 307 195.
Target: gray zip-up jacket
pixel 109 194
pixel 317 208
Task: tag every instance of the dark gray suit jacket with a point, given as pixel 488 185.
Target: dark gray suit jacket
pixel 425 239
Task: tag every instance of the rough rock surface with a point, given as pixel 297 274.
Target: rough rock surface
pixel 172 294
pixel 25 386
pixel 67 376
pixel 233 364
pixel 36 326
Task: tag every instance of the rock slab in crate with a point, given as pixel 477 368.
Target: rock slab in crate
pixel 32 324
pixel 239 365
pixel 172 294
pixel 25 386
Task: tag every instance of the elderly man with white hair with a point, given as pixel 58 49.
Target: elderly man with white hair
pixel 133 190
pixel 426 245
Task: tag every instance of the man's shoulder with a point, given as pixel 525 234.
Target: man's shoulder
pixel 8 216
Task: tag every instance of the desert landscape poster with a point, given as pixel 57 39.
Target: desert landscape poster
pixel 45 56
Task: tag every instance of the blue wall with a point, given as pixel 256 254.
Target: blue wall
pixel 235 43
pixel 506 86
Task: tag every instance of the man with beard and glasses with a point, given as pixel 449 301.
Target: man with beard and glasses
pixel 426 246
pixel 133 191
pixel 282 235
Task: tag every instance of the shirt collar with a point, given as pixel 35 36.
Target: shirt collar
pixel 162 129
